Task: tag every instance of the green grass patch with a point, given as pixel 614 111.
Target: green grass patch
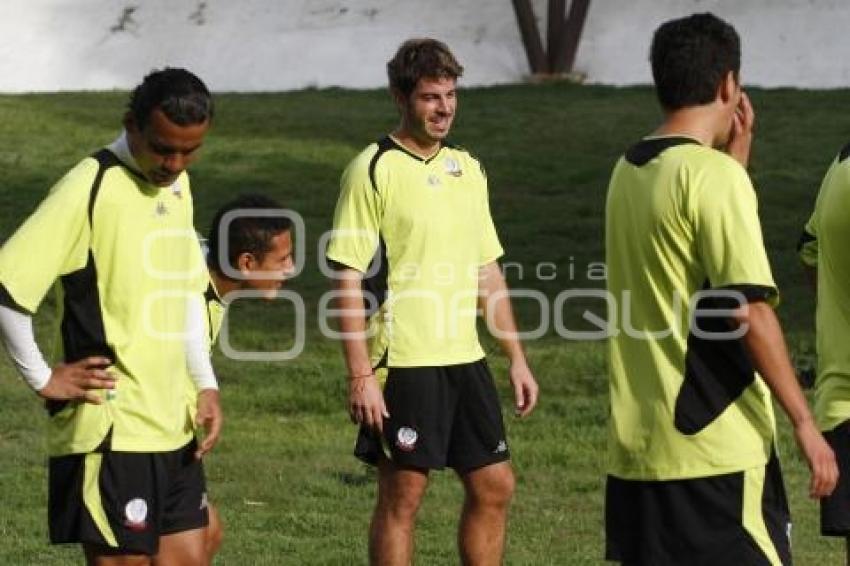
pixel 288 489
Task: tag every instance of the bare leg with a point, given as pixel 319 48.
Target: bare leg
pixel 214 535
pixel 481 536
pixel 400 492
pixel 186 548
pixel 105 556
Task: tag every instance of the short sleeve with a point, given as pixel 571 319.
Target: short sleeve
pixel 807 246
pixel 728 233
pixel 357 219
pixel 198 256
pixel 52 242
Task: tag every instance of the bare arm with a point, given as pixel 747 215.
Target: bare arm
pixel 66 382
pixel 766 346
pixel 365 399
pixel 495 301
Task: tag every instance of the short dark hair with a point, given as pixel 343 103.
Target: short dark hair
pixel 181 96
pixel 251 234
pixel 421 58
pixel 690 57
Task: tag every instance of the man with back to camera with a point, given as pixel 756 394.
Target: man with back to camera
pixel 693 476
pixel 411 205
pixel 125 471
pixel 824 253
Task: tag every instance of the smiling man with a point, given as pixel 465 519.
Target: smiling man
pixel 126 479
pixel 412 209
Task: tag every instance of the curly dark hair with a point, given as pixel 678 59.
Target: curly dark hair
pixel 181 96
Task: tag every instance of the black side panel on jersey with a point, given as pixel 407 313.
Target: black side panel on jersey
pixel 377 285
pixel 82 327
pixel 717 370
pixel 384 145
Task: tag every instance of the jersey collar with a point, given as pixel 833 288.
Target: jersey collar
pixel 395 144
pixel 648 149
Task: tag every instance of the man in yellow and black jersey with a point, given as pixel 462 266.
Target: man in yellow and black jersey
pixel 413 236
pixel 126 479
pixel 693 476
pixel 824 251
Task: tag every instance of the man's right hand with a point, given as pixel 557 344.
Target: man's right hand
pixel 741 136
pixel 820 457
pixel 75 381
pixel 366 402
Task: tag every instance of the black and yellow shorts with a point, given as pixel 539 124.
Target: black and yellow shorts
pixel 738 519
pixel 443 416
pixel 126 500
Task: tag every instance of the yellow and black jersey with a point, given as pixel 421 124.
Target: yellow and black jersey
pixel 419 229
pixel 127 259
pixel 824 245
pixel 681 219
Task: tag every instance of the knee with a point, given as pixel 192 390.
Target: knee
pixel 402 505
pixel 400 492
pixel 213 535
pixel 493 489
pixel 212 543
pixel 194 556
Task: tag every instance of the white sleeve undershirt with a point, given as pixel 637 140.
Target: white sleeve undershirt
pixel 19 339
pixel 198 346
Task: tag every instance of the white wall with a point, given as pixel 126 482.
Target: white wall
pixel 256 45
pixel 802 43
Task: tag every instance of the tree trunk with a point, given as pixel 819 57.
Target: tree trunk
pixel 568 41
pixel 530 36
pixel 563 34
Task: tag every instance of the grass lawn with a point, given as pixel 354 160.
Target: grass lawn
pixel 282 476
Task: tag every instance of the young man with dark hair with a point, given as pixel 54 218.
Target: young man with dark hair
pixel 249 247
pixel 824 253
pixel 125 472
pixel 693 473
pixel 412 208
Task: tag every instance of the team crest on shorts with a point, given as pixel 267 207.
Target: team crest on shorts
pixel 135 512
pixel 406 439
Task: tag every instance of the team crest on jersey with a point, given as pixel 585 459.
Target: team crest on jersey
pixel 135 513
pixel 453 167
pixel 406 439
